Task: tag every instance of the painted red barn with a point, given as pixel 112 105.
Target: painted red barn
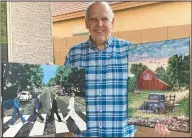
pixel 148 81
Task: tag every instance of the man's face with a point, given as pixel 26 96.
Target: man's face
pixel 99 23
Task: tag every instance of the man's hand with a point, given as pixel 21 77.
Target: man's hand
pixel 36 110
pixel 161 130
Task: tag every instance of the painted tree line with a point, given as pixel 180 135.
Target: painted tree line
pixel 19 77
pixel 177 73
pixel 70 78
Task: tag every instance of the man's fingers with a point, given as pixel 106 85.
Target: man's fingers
pixel 166 131
pixel 156 127
pixel 162 130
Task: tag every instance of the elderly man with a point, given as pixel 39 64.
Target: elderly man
pixel 105 60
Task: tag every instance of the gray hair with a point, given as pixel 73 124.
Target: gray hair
pixel 111 14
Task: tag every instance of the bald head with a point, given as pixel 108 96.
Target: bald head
pixel 110 12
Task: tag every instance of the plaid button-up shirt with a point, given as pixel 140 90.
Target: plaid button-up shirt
pixel 106 74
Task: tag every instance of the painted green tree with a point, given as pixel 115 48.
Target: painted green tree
pixel 161 73
pixel 18 77
pixel 70 78
pixel 132 83
pixel 178 70
pixel 60 76
pixel 137 69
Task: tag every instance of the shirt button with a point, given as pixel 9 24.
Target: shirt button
pixel 100 125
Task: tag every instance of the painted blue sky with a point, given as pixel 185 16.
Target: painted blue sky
pixel 49 72
pixel 158 50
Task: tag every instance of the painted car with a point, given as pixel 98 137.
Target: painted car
pixel 155 103
pixel 24 96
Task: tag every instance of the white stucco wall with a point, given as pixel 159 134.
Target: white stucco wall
pixel 29 32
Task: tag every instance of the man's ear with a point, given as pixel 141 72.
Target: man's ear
pixel 112 22
pixel 86 24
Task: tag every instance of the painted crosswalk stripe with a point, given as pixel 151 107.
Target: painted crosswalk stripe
pixel 11 132
pixel 72 126
pixel 61 127
pixel 38 127
pixel 84 113
pixel 80 123
pixel 6 118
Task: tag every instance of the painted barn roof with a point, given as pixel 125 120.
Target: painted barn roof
pixel 157 77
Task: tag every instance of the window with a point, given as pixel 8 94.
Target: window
pixel 147 76
pixel 4 42
pixel 79 34
pixel 79 30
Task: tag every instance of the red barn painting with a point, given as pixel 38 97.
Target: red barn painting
pixel 148 81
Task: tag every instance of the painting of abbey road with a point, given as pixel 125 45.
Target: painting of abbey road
pixel 159 84
pixel 42 100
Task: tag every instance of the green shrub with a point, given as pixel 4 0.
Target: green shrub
pixel 183 107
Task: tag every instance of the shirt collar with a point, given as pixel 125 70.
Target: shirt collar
pixel 92 45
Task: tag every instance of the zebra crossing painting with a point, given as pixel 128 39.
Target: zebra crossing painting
pixel 39 128
pixel 42 100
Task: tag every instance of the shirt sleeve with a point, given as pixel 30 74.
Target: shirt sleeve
pixel 66 62
pixel 128 45
pixel 127 50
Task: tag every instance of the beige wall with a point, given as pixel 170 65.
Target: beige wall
pixel 64 29
pixel 152 16
pixel 29 32
pixel 142 17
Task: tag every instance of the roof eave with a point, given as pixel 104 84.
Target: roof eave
pixel 114 6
